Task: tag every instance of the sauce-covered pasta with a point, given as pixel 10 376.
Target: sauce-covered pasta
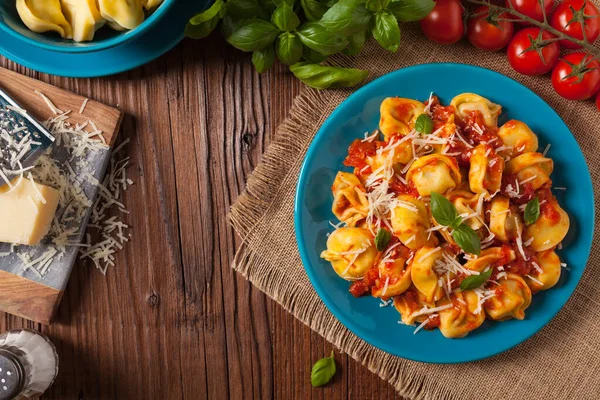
pixel 447 216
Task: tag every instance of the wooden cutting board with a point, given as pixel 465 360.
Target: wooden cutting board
pixel 30 297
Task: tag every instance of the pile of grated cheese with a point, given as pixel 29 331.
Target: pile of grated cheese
pixel 74 143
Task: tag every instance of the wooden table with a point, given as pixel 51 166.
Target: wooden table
pixel 172 320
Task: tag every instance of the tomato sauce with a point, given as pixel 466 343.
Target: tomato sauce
pixel 548 207
pixel 362 287
pixel 358 153
pixel 400 188
pixel 519 265
pixel 434 322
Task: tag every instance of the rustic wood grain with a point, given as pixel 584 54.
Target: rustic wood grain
pixel 172 320
pixel 28 299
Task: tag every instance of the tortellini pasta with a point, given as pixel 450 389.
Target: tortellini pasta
pixel 394 278
pixel 512 299
pixel 505 219
pixel 454 226
pixel 398 116
pixel 350 203
pixel 533 168
pixel 519 137
pixel 469 102
pixel 80 19
pixel 84 17
pixel 44 16
pixel 423 274
pixel 434 173
pixel 410 222
pixel 464 316
pixel 351 252
pixel 546 273
pixel 550 228
pixel 485 173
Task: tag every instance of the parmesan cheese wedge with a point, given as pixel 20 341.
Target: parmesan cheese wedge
pixel 20 221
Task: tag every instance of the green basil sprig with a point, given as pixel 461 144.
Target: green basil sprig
pixel 324 77
pixel 532 211
pixel 445 213
pixel 424 124
pixel 274 28
pixel 475 281
pixel 382 239
pixel 323 371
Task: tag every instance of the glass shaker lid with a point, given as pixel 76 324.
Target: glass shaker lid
pixel 11 375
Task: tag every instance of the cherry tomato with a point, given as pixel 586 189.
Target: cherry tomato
pixel 576 76
pixel 485 32
pixel 531 8
pixel 524 52
pixel 598 101
pixel 568 16
pixel 444 24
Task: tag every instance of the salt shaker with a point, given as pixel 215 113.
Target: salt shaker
pixel 28 364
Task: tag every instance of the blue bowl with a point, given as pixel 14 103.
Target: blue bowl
pixel 105 38
pixel 360 113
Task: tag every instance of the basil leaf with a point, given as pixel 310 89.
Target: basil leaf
pixel 467 239
pixel 475 281
pixel 289 48
pixel 285 18
pixel 202 25
pixel 230 25
pixel 347 17
pixel 288 2
pixel 316 37
pixel 312 56
pixel 424 124
pixel 313 9
pixel 356 41
pixel 245 9
pixel 322 371
pixel 532 211
pixel 382 239
pixel 254 35
pixel 263 59
pixel 376 5
pixel 442 210
pixel 268 5
pixel 324 77
pixel 207 15
pixel 330 3
pixel 410 10
pixel 386 31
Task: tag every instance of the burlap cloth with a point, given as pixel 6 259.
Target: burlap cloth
pixel 560 362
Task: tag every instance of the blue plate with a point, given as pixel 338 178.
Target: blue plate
pixel 156 40
pixel 360 114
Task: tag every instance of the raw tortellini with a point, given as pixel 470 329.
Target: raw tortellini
pixel 80 19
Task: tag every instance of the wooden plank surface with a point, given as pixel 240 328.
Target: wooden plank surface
pixel 172 320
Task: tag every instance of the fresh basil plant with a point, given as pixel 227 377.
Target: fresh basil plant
pixel 303 33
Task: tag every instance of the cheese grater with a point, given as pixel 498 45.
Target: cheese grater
pixel 23 139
